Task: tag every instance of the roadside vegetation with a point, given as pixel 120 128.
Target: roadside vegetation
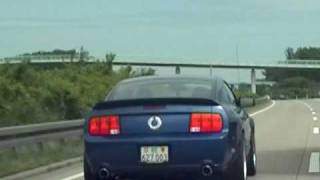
pixel 31 156
pixel 294 83
pixel 43 93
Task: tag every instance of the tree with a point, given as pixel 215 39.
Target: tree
pixel 84 55
pixel 289 53
pixel 72 55
pixel 307 53
pixel 143 72
pixel 110 57
pixel 304 53
pixel 296 82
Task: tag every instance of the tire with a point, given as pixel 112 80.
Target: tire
pixel 86 171
pixel 238 171
pixel 252 158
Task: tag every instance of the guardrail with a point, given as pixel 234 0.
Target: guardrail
pixel 262 99
pixel 12 137
pixel 249 101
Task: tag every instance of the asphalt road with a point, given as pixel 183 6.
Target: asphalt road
pixel 288 144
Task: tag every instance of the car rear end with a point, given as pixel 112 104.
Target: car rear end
pixel 158 137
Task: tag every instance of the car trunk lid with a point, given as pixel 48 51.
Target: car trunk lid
pixel 156 116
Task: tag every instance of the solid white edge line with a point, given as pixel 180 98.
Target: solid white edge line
pixel 314 162
pixel 308 106
pixel 76 176
pixel 253 114
pixel 263 110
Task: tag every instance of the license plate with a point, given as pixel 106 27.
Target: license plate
pixel 154 154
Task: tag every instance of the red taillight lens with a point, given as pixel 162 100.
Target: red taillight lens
pixel 104 125
pixel 195 124
pixel 206 123
pixel 94 126
pixel 114 125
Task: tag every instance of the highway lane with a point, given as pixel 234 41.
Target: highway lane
pixel 286 138
pixel 285 141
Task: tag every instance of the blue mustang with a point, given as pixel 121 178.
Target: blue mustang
pixel 175 127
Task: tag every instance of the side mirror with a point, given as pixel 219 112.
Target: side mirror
pixel 238 101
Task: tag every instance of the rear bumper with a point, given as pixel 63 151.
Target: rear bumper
pixel 187 155
pixel 181 171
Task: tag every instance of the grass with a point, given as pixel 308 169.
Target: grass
pixel 33 156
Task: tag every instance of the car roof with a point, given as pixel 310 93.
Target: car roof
pixel 217 82
pixel 159 77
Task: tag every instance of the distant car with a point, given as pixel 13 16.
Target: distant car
pixel 169 127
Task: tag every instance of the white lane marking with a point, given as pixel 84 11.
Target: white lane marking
pixel 315 118
pixel 263 110
pixel 310 108
pixel 313 113
pixel 76 176
pixel 314 162
pixel 316 130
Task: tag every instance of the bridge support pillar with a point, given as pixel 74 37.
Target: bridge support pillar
pixel 253 81
pixel 178 71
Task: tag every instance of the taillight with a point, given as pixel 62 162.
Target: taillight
pixel 104 125
pixel 206 123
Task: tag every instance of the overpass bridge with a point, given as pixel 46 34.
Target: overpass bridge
pixel 292 64
pixel 284 64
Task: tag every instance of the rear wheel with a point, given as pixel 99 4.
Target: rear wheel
pixel 252 159
pixel 239 169
pixel 86 171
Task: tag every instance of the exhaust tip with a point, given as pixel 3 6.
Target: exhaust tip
pixel 104 173
pixel 207 170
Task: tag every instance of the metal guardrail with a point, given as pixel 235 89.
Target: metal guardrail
pixel 249 102
pixel 11 137
pixel 262 99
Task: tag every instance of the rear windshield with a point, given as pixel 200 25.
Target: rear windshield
pixel 163 88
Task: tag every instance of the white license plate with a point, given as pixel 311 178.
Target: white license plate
pixel 154 154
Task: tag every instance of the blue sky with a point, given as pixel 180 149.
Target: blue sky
pixel 187 29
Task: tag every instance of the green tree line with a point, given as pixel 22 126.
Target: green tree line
pixel 34 94
pixel 292 83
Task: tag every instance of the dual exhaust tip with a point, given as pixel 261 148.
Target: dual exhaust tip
pixel 104 174
pixel 206 171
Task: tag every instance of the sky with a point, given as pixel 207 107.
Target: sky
pixel 188 30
